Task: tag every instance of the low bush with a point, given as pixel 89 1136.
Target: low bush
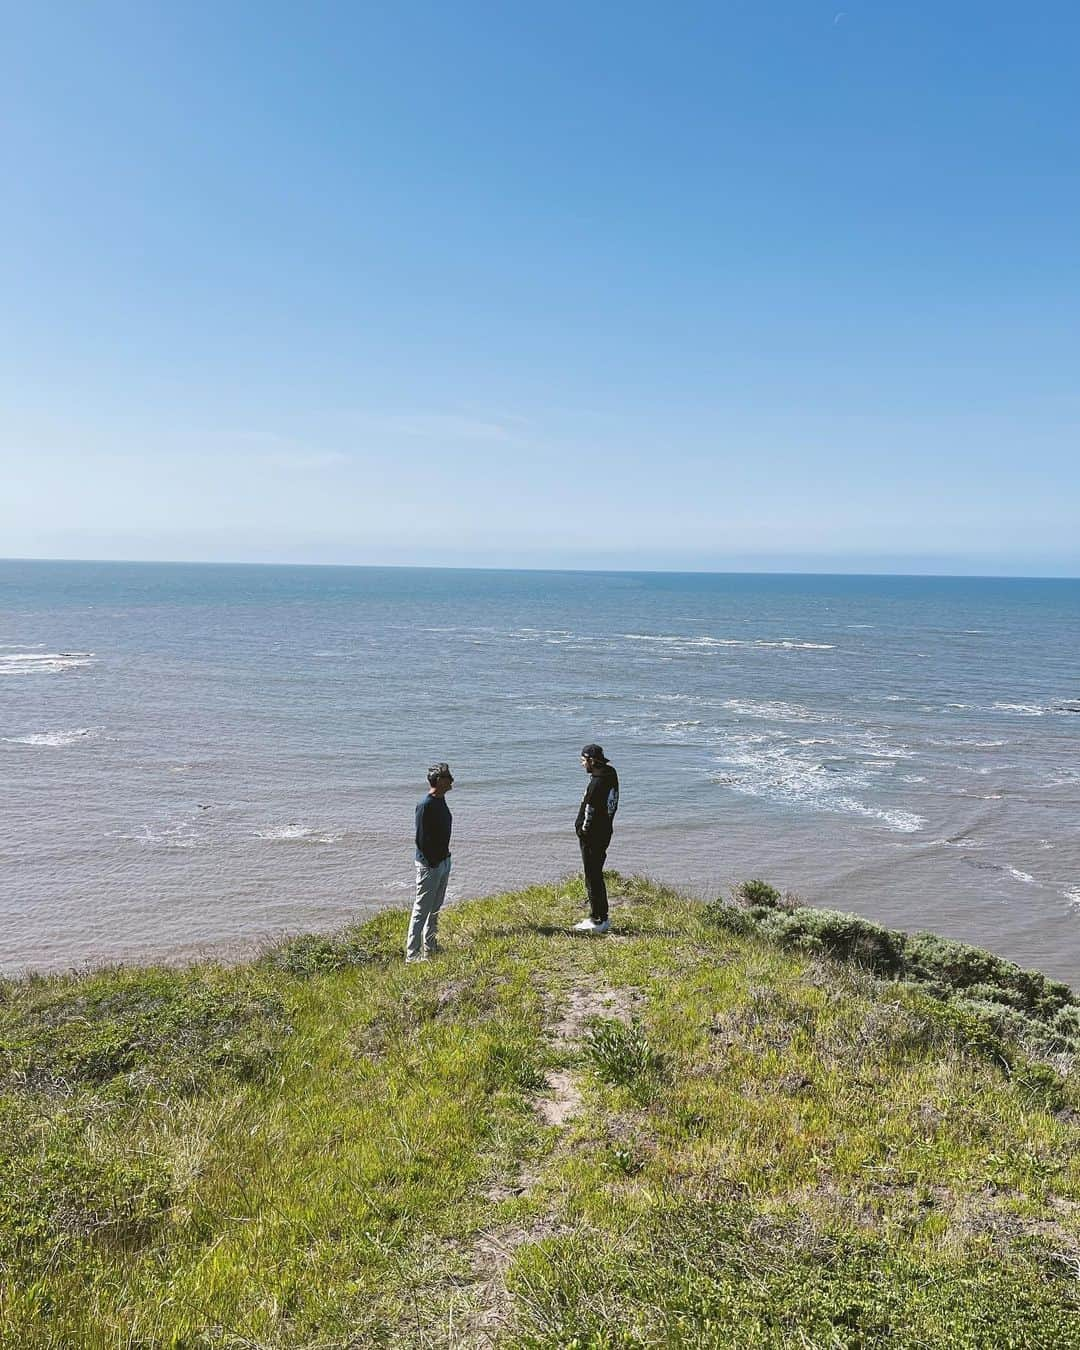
pixel 960 966
pixel 621 1053
pixel 154 1026
pixel 513 1064
pixel 997 998
pixel 721 1275
pixel 757 894
pixel 845 937
pixel 65 1196
pixel 1066 1024
pixel 1005 1022
pixel 372 943
pixel 729 918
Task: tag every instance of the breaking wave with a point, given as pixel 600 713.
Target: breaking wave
pixel 56 739
pixel 299 834
pixel 42 663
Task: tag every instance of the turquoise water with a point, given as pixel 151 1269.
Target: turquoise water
pixel 195 757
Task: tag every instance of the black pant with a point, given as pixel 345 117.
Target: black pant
pixel 593 853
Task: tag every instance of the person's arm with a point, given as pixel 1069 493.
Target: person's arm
pixel 591 803
pixel 423 834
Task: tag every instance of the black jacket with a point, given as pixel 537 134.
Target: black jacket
pixel 596 814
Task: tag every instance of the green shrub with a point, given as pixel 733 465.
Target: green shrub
pixel 512 1064
pixel 1004 1022
pixel 150 1026
pixel 845 937
pixel 757 894
pixel 1040 1084
pixel 621 1054
pixel 963 967
pixel 964 1027
pixel 728 918
pixel 64 1196
pixel 321 953
pixel 994 993
pixel 1066 1025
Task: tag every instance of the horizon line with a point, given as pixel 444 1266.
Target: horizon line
pixel 580 571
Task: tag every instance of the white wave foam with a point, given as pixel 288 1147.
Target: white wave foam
pixel 774 709
pixel 903 822
pixel 55 738
pixel 798 646
pixel 769 765
pixel 1072 895
pixel 953 742
pixel 300 834
pixel 43 663
pixel 162 836
pixel 676 640
pixel 1005 868
pixel 1022 709
pixel 685 641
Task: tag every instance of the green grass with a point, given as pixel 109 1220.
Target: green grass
pixel 765 1146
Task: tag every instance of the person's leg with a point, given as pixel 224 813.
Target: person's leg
pixel 431 926
pixel 426 879
pixel 592 861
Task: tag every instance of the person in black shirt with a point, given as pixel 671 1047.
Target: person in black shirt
pixel 594 824
pixel 433 824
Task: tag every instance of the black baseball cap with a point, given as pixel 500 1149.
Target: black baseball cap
pixel 593 752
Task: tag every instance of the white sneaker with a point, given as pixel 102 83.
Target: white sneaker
pixel 588 926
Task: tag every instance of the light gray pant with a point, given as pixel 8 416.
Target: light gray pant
pixel 424 923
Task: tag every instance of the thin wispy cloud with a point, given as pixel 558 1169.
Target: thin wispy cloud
pixel 303 460
pixel 455 427
pixel 268 450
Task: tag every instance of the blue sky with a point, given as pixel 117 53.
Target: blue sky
pixel 764 285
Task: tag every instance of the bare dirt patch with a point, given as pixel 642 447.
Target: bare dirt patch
pixel 493 1251
pixel 492 1254
pixel 562 1100
pixel 582 1005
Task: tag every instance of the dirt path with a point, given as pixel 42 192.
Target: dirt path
pixel 556 1106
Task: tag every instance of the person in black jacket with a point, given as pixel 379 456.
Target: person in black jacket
pixel 594 823
pixel 433 824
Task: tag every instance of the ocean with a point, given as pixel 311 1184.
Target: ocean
pixel 195 758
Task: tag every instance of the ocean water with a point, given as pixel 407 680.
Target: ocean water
pixel 194 758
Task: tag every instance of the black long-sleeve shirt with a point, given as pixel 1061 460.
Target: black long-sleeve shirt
pixel 596 814
pixel 433 823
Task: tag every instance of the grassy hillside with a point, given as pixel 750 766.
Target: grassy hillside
pixel 721 1125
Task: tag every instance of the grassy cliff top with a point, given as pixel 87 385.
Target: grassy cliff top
pixel 721 1125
